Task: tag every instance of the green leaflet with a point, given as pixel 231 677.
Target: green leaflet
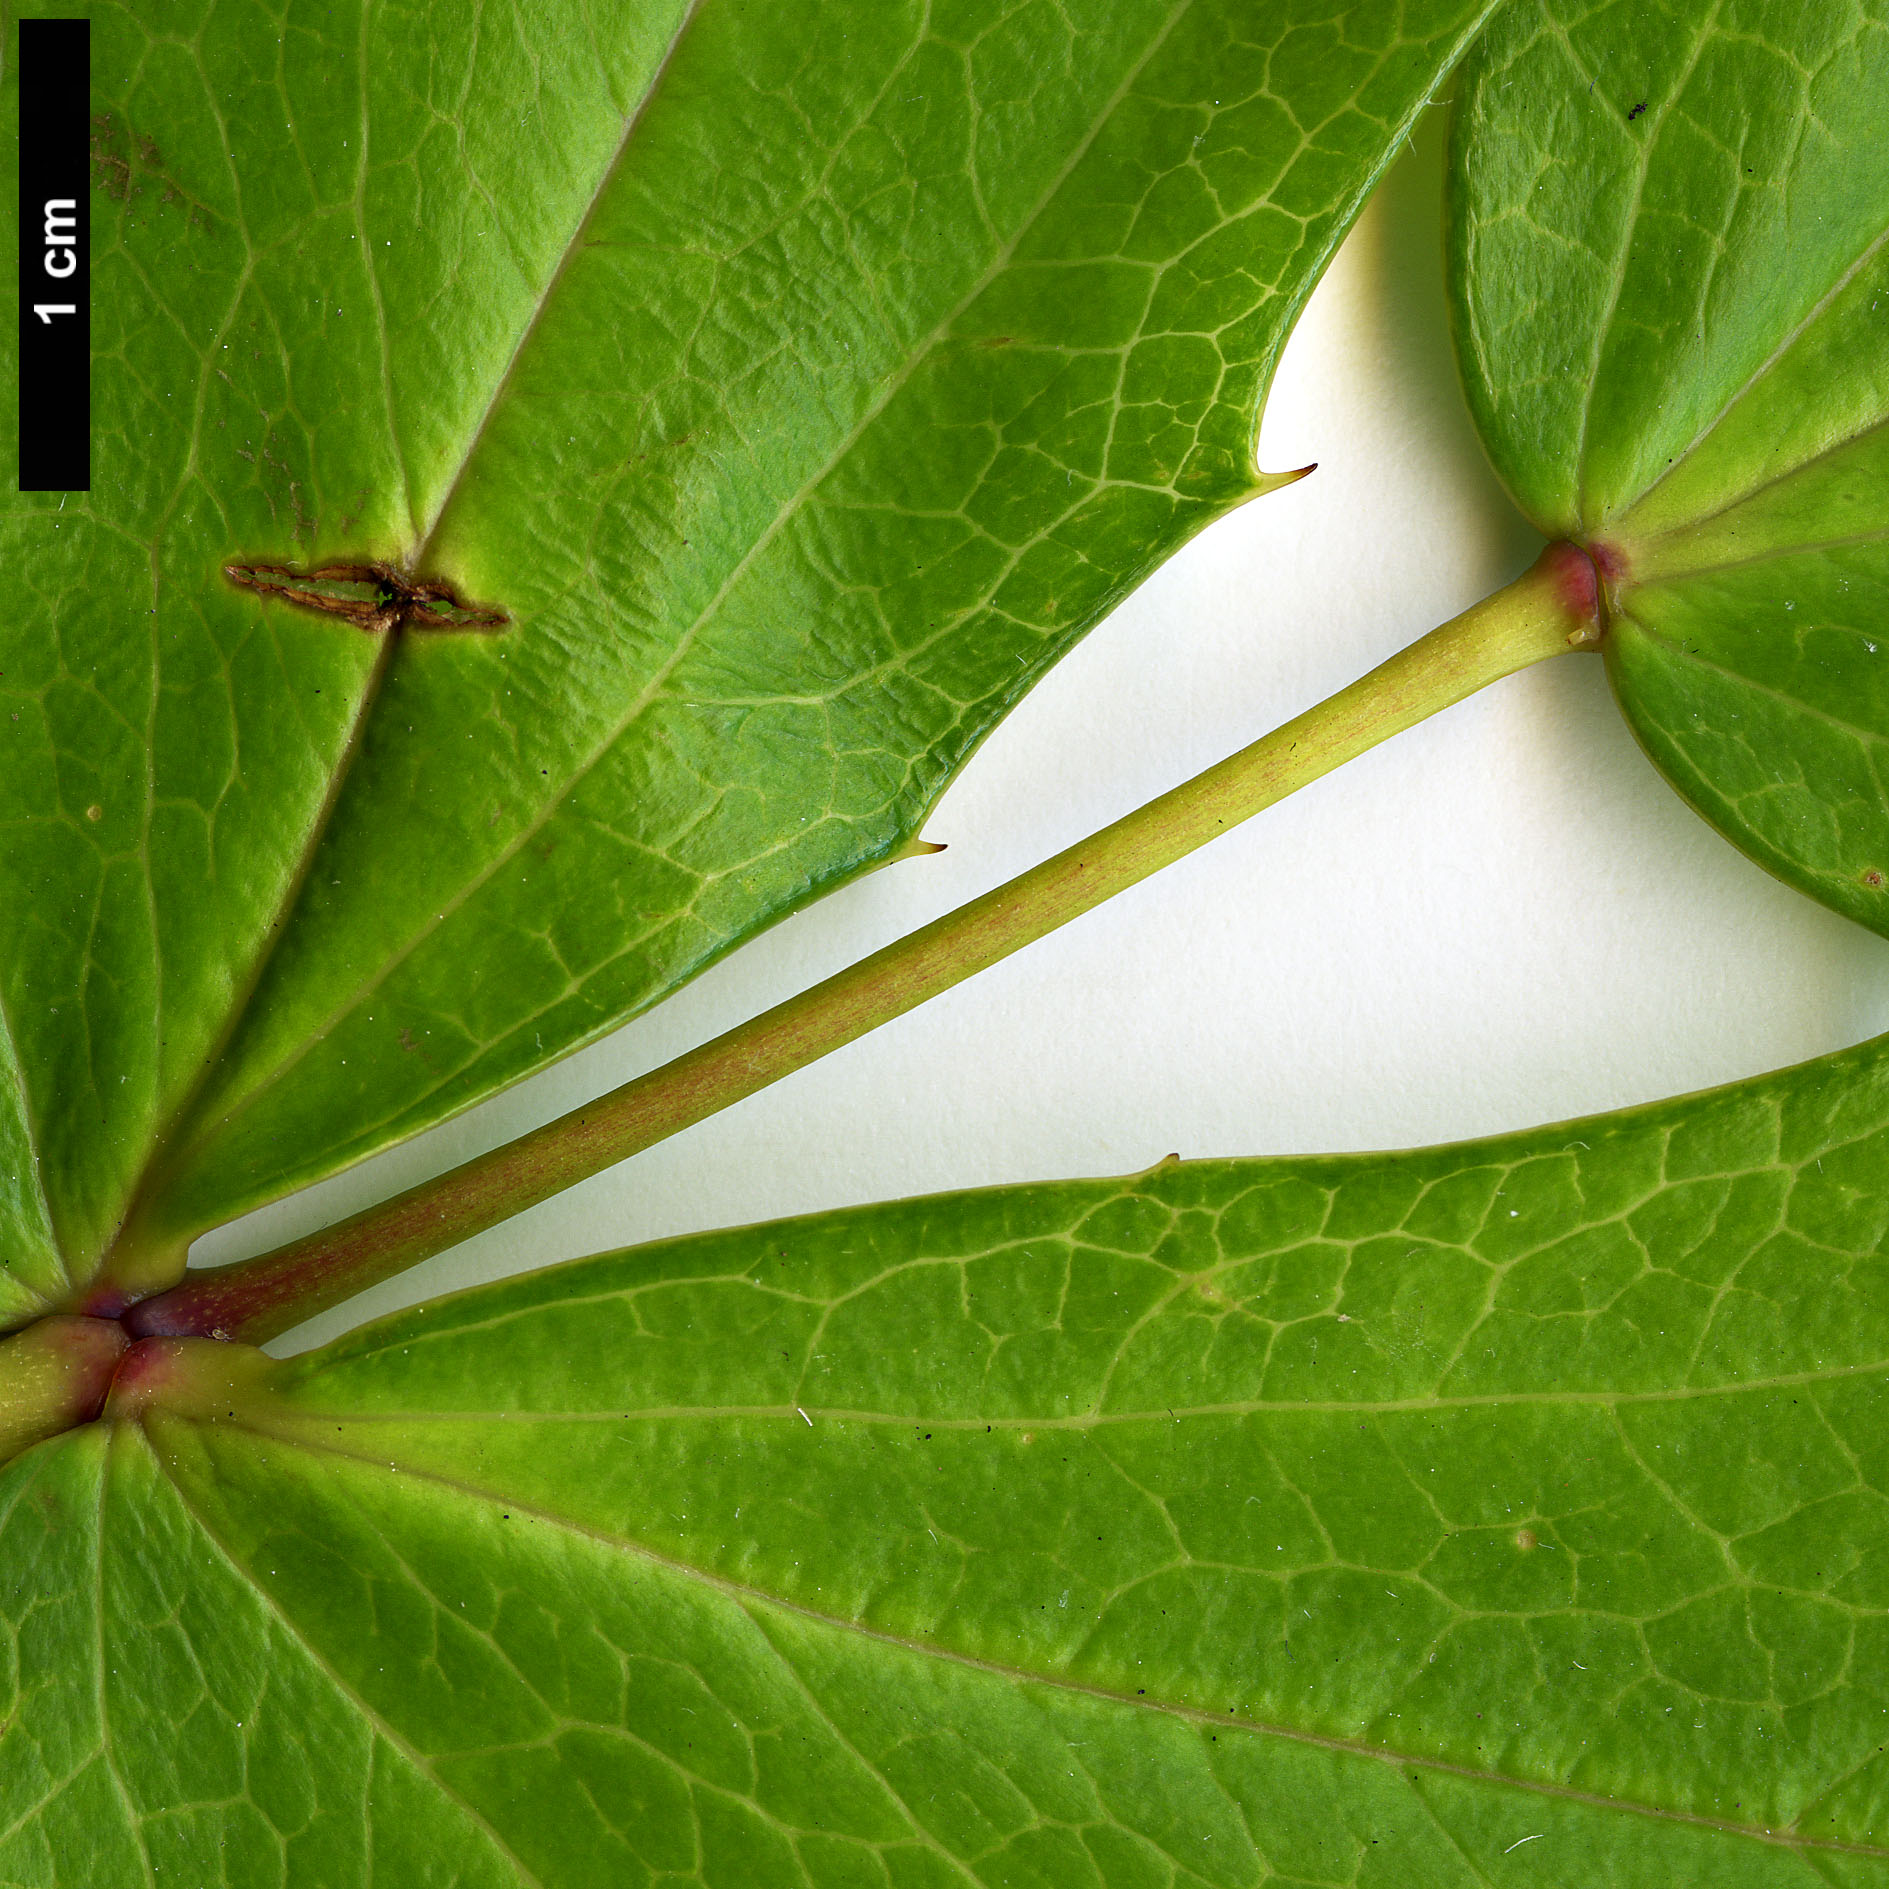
pixel 801 381
pixel 1366 1519
pixel 1671 282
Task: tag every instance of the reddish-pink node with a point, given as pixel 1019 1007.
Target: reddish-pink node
pixel 90 1350
pixel 205 1379
pixel 105 1300
pixel 1609 560
pixel 1576 582
pixel 149 1368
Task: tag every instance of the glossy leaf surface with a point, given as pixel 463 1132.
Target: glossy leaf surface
pixel 1670 252
pixel 1369 1519
pixel 799 381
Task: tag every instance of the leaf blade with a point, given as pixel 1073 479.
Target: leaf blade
pixel 1537 1479
pixel 624 477
pixel 1525 1491
pixel 1713 396
pixel 1052 1782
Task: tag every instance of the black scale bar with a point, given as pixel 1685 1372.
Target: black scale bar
pixel 55 75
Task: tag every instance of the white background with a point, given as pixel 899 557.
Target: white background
pixel 1503 917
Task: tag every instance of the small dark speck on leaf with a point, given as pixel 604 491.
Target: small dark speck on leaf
pixel 1636 111
pixel 1873 879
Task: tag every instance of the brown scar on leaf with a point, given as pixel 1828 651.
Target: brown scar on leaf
pixel 114 171
pixel 375 598
pixel 121 168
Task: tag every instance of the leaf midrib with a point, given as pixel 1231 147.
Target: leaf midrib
pixel 1864 737
pixel 749 1598
pixel 101 1691
pixel 633 122
pixel 161 1160
pixel 1685 574
pixel 274 1609
pixel 1106 1419
pixel 29 1122
pixel 166 1153
pixel 1757 376
pixel 1603 329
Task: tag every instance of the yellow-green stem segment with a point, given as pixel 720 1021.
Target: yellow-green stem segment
pixel 1551 609
pixel 54 1375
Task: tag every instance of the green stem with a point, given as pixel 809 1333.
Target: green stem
pixel 1546 612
